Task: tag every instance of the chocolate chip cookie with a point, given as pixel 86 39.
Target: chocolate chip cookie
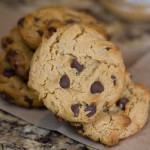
pixel 123 119
pixel 77 73
pixel 13 89
pixel 18 54
pixel 45 21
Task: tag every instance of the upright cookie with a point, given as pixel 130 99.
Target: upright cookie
pixel 17 53
pixel 45 21
pixel 77 73
pixel 123 119
pixel 13 89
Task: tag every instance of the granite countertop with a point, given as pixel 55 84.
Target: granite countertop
pixel 131 37
pixel 16 134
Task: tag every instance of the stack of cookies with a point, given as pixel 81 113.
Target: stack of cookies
pixel 75 72
pixel 21 43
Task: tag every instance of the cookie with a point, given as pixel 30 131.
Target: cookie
pixel 13 89
pixel 123 119
pixel 17 53
pixel 45 21
pixel 77 73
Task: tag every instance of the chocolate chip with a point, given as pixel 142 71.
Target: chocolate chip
pixel 75 64
pixel 9 40
pixel 75 109
pixel 36 19
pixel 51 30
pixel 28 100
pixel 6 41
pixel 122 103
pixel 91 108
pixel 71 21
pixel 108 48
pixel 21 22
pixel 11 53
pixel 64 82
pixel 8 72
pixel 114 79
pixel 11 57
pixel 96 87
pixel 40 32
pixel 5 96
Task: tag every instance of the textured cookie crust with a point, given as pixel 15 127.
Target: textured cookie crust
pixel 13 89
pixel 77 73
pixel 122 120
pixel 45 21
pixel 18 54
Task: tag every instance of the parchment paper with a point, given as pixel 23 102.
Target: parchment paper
pixel 45 119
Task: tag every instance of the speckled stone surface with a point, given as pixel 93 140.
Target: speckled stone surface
pixel 133 38
pixel 16 134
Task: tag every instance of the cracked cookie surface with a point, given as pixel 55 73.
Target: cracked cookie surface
pixel 13 89
pixel 123 119
pixel 77 73
pixel 18 54
pixel 45 21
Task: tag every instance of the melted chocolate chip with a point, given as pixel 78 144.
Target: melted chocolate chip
pixel 107 48
pixel 40 32
pixel 8 72
pixel 11 53
pixel 6 41
pixel 71 21
pixel 75 64
pixel 64 82
pixel 21 22
pixel 122 103
pixel 9 40
pixel 28 100
pixel 5 96
pixel 11 57
pixel 36 19
pixel 96 87
pixel 75 109
pixel 51 30
pixel 91 108
pixel 114 79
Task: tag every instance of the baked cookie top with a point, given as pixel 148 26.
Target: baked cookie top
pixel 77 73
pixel 123 119
pixel 45 21
pixel 18 54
